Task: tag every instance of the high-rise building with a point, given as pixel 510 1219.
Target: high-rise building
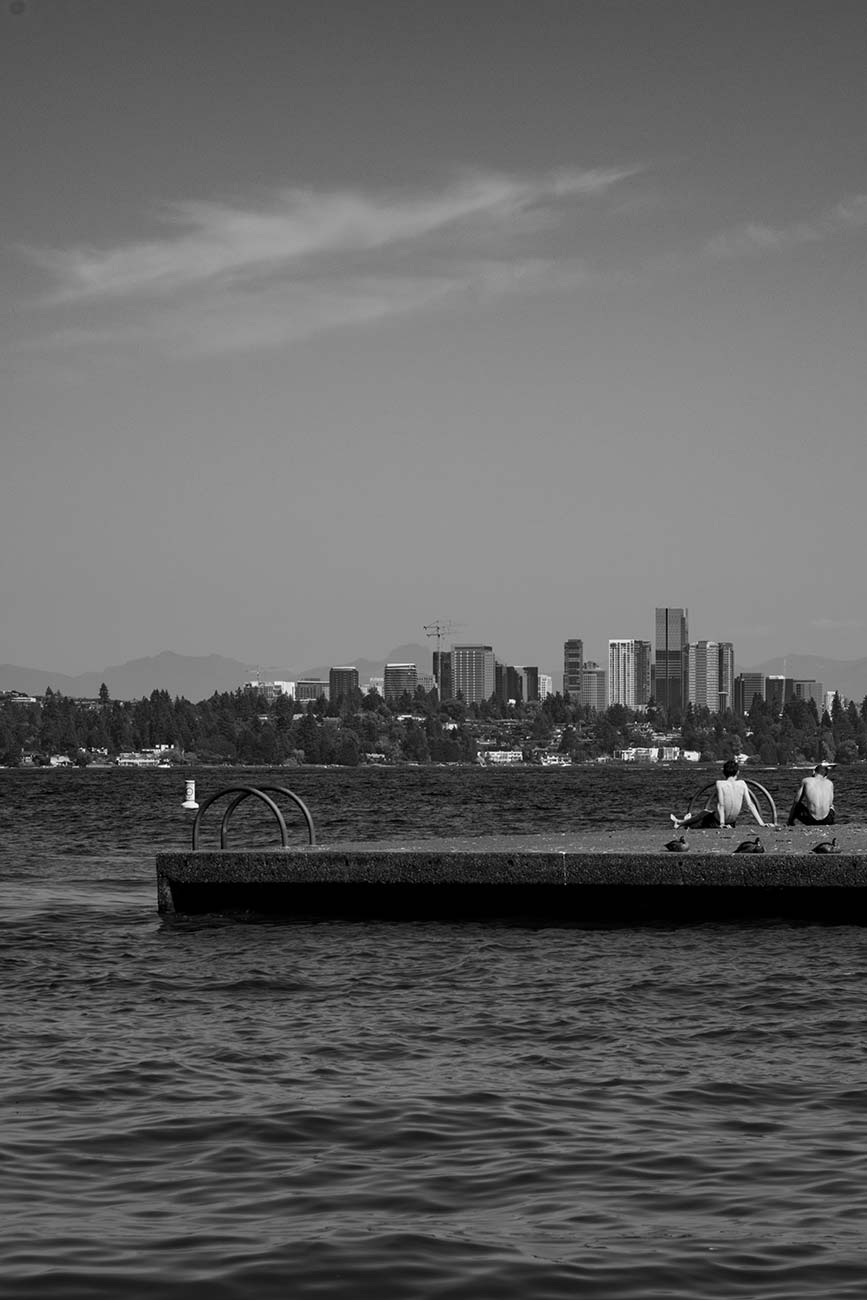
pixel 573 662
pixel 341 683
pixel 809 689
pixel 726 676
pixel 531 683
pixel 546 685
pixel 594 687
pixel 670 659
pixel 399 679
pixel 703 675
pixel 629 673
pixel 442 671
pixel 778 692
pixel 500 681
pixel 509 683
pixel 748 688
pixel 473 672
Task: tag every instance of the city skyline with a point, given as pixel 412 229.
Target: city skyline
pixel 318 322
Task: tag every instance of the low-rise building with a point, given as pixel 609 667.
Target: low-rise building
pixel 311 688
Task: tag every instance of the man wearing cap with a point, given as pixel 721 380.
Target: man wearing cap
pixel 814 802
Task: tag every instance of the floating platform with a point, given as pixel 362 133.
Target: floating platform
pixel 621 877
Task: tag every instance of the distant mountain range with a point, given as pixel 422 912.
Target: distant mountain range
pixel 196 677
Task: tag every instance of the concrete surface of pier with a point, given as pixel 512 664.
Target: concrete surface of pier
pixel 622 876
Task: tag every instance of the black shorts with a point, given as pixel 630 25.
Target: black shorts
pixel 802 814
pixel 706 821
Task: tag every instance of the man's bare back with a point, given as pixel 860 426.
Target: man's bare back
pixel 731 795
pixel 725 805
pixel 814 802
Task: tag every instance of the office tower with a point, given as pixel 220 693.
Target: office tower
pixel 399 679
pixel 546 685
pixel 748 688
pixel 703 675
pixel 341 683
pixel 629 673
pixel 809 689
pixel 531 683
pixel 594 688
pixel 312 688
pixel 573 661
pixel 473 672
pixel 778 692
pixel 508 683
pixel 670 662
pixel 442 671
pixel 514 684
pixel 726 676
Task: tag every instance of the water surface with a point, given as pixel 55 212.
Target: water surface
pixel 412 1110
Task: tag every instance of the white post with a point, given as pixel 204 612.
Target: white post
pixel 190 800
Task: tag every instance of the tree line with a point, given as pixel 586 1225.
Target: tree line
pixel 243 727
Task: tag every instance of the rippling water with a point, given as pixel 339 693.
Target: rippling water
pixel 213 1108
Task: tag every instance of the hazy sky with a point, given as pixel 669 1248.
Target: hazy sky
pixel 321 321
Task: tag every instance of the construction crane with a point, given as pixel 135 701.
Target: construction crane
pixel 440 628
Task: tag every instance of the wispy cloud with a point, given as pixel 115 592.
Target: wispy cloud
pixel 221 276
pixel 231 276
pixel 752 238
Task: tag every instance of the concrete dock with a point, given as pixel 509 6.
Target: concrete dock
pixel 598 877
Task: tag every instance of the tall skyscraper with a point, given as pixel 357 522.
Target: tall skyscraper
pixel 703 675
pixel 510 683
pixel 748 687
pixel 573 662
pixel 341 683
pixel 594 688
pixel 711 675
pixel 778 692
pixel 670 661
pixel 531 683
pixel 726 676
pixel 473 672
pixel 629 673
pixel 442 671
pixel 399 679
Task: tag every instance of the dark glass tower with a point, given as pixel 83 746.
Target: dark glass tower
pixel 671 658
pixel 442 671
pixel 573 662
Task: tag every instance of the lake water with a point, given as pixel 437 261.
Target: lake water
pixel 490 1111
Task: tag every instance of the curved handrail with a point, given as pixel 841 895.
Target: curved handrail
pixel 272 789
pixel 754 785
pixel 247 790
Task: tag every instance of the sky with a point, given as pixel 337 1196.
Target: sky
pixel 321 322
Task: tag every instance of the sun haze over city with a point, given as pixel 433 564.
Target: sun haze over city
pixel 320 322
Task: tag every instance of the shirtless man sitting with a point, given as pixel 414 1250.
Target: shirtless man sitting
pixel 814 802
pixel 724 805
